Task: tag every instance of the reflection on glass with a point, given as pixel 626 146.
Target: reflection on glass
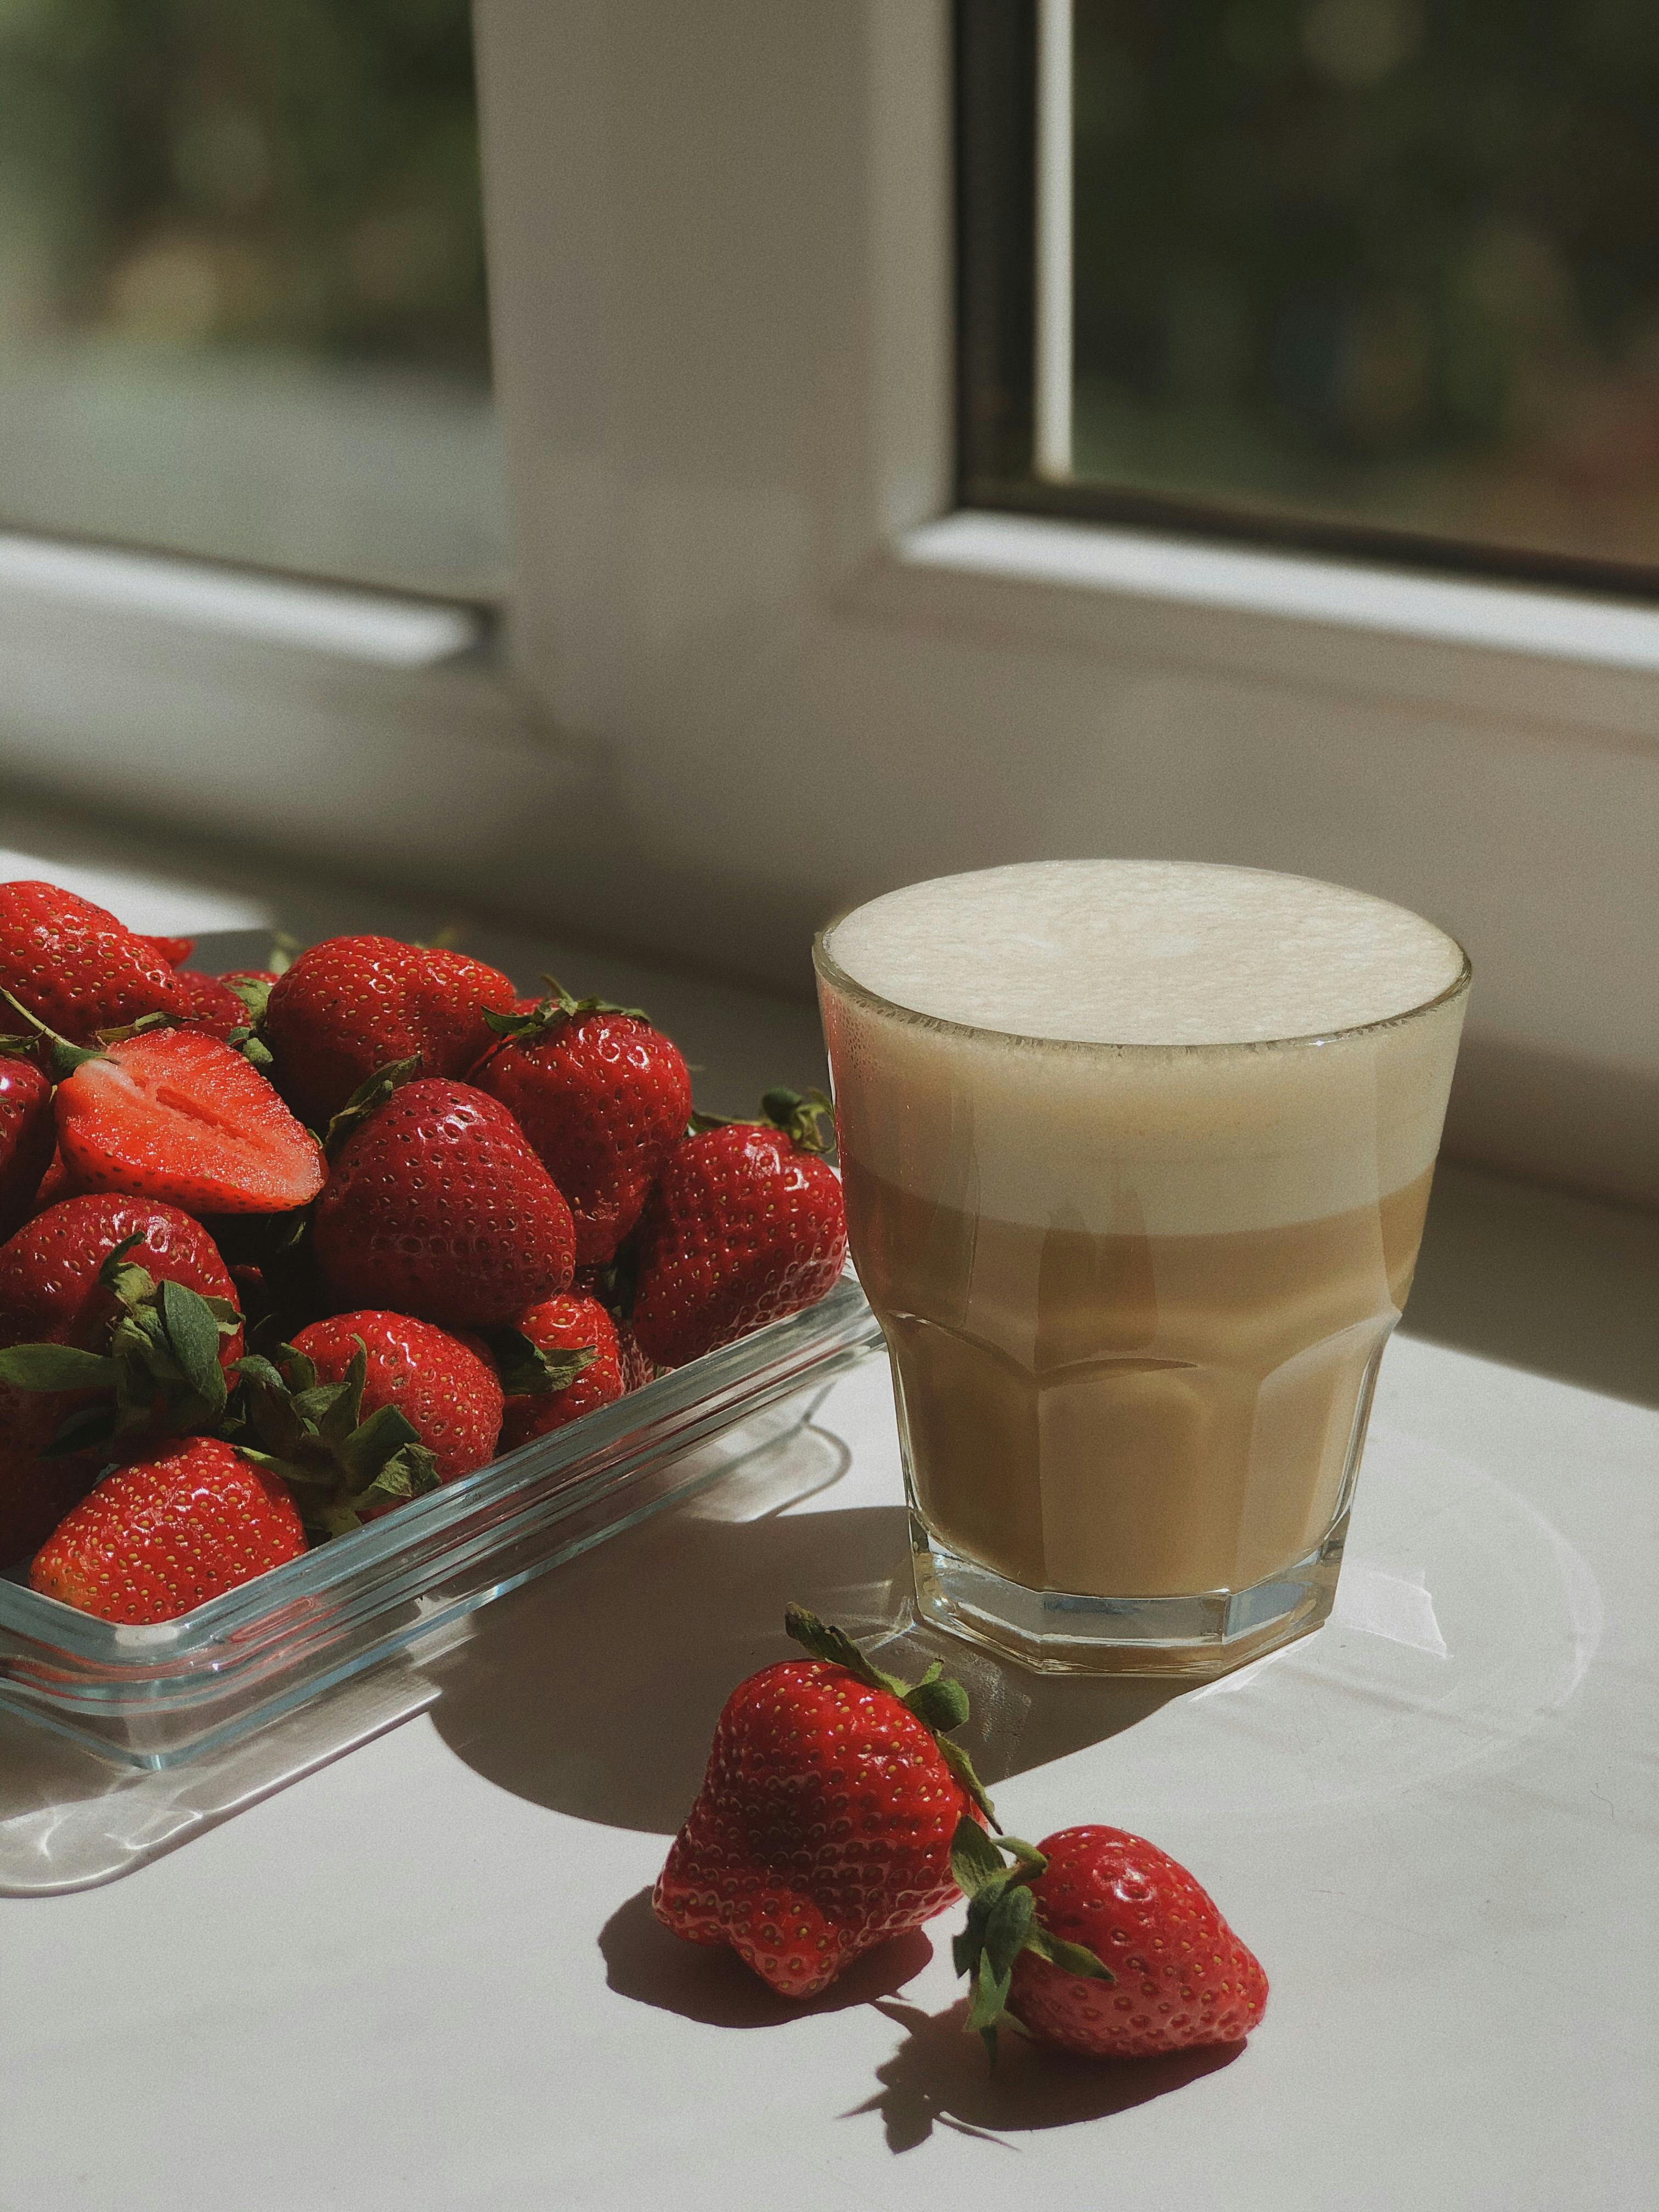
pixel 1386 261
pixel 241 283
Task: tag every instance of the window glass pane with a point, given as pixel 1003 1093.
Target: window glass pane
pixel 1390 262
pixel 241 284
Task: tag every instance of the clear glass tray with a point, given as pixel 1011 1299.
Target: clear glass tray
pixel 186 1690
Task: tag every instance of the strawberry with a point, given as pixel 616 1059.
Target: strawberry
pixel 209 1004
pixel 113 1350
pixel 50 1290
pixel 28 1136
pixel 1100 1943
pixel 75 967
pixel 566 1324
pixel 354 1004
pixel 825 1820
pixel 443 1387
pixel 744 1225
pixel 603 1096
pixel 193 1519
pixel 184 1118
pixel 175 951
pixel 437 1206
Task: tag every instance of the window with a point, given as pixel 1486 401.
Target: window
pixel 1374 274
pixel 242 286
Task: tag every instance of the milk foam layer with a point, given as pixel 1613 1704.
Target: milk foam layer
pixel 1116 1071
pixel 1145 953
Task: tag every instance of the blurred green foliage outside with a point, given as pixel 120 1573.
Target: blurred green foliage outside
pixel 242 308
pixel 1392 260
pixel 292 173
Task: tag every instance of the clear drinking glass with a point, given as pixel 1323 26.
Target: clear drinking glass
pixel 1135 1297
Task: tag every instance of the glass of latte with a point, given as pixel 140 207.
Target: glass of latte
pixel 1136 1157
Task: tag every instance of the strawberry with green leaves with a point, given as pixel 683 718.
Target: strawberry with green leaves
pixel 352 1006
pixel 604 1098
pixel 437 1206
pixel 75 967
pixel 745 1224
pixel 1097 1942
pixel 347 1459
pixel 190 1521
pixel 573 1367
pixel 117 1318
pixel 825 1820
pixel 444 1386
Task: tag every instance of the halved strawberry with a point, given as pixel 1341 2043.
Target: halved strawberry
pixel 183 1118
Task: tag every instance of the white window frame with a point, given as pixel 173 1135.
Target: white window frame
pixel 721 242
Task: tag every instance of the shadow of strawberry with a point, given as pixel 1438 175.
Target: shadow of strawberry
pixel 940 2076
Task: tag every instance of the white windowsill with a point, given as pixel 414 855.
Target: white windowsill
pixel 279 611
pixel 1093 556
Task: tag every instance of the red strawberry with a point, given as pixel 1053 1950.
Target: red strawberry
pixel 184 1524
pixel 443 1386
pixel 745 1224
pixel 50 1292
pixel 175 951
pixel 28 1136
pixel 35 1493
pixel 825 1819
pixel 74 966
pixel 1101 1943
pixel 566 1323
pixel 437 1206
pixel 352 1006
pixel 182 1118
pixel 209 1004
pixel 117 1323
pixel 604 1098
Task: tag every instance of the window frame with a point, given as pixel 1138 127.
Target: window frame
pixel 723 276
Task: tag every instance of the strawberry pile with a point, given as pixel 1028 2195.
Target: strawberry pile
pixel 836 1813
pixel 284 1250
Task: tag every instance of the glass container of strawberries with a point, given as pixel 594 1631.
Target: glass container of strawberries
pixel 337 1302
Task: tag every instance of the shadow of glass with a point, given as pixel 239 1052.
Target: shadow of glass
pixel 940 2076
pixel 710 1983
pixel 596 1690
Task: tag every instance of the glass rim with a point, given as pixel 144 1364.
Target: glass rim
pixel 831 971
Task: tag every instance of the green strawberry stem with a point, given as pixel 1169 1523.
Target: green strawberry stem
pixel 547 1017
pixel 799 1114
pixel 370 1095
pixel 940 1703
pixel 525 1370
pixel 65 1057
pixel 1002 1922
pixel 313 1435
